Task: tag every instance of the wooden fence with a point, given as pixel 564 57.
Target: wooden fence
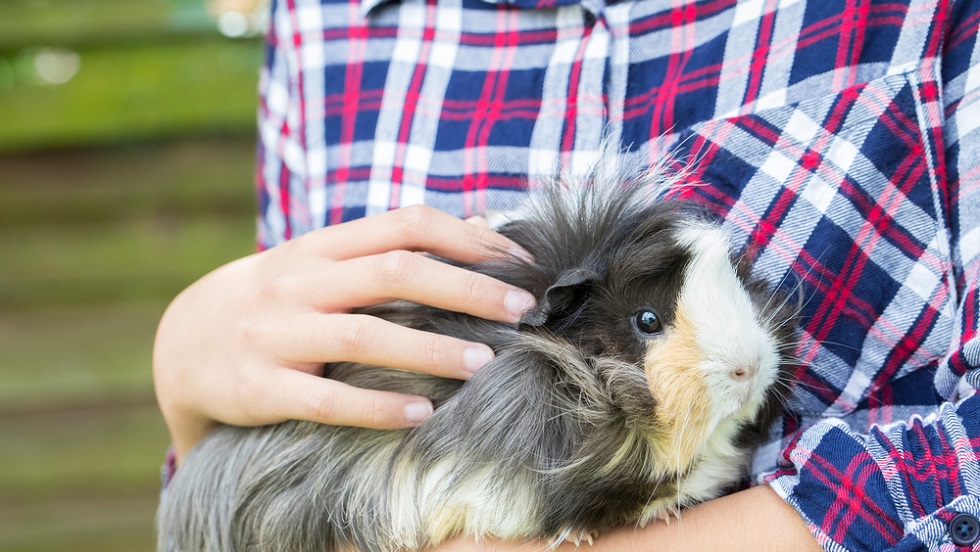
pixel 126 161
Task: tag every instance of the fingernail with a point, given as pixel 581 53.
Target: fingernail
pixel 478 221
pixel 417 412
pixel 518 302
pixel 475 357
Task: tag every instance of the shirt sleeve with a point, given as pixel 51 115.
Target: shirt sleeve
pixel 168 470
pixel 899 487
pixel 280 157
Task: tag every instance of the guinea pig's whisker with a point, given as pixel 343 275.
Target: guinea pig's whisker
pixel 790 385
pixel 771 313
pixel 813 387
pixel 783 397
pixel 804 362
pixel 787 351
pixel 840 345
pixel 795 291
pixel 775 292
pixel 787 322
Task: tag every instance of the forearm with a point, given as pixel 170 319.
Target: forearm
pixel 753 520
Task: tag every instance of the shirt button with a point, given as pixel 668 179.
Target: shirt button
pixel 964 529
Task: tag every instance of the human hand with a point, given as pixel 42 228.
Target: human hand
pixel 246 344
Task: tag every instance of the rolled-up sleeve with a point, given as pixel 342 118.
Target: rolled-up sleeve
pixel 914 484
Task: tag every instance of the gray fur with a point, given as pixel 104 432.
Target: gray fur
pixel 534 432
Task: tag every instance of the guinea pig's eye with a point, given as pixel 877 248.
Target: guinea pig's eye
pixel 647 322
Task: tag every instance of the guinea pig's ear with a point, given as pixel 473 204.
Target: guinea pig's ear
pixel 561 299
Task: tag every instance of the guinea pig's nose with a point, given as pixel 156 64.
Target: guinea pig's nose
pixel 744 372
pixel 743 379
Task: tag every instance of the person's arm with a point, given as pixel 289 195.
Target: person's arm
pixel 901 485
pixel 245 344
pixel 754 520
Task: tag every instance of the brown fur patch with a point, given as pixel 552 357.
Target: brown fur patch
pixel 445 523
pixel 683 402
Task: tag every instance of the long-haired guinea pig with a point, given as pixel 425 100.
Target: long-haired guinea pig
pixel 638 385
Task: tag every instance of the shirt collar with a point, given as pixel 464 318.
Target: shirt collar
pixel 594 7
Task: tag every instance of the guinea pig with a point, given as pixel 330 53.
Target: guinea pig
pixel 639 384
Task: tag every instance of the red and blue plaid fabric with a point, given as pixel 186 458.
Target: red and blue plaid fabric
pixel 839 139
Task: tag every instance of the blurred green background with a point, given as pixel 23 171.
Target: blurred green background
pixel 127 137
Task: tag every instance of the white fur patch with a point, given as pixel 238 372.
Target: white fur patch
pixel 729 334
pixel 443 505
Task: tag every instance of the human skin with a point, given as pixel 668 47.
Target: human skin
pixel 754 520
pixel 246 344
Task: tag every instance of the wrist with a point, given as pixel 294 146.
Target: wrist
pixel 185 428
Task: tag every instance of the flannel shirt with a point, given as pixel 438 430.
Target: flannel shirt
pixel 838 139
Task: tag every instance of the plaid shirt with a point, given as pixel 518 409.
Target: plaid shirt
pixel 838 139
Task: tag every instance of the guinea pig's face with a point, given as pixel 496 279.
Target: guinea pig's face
pixel 657 322
pixel 710 345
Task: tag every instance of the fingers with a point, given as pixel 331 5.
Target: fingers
pixel 416 228
pixel 413 277
pixel 370 340
pixel 239 341
pixel 316 399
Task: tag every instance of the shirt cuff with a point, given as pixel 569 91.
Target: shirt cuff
pixel 169 469
pixel 898 488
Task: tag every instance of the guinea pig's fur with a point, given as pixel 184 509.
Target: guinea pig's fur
pixel 638 385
